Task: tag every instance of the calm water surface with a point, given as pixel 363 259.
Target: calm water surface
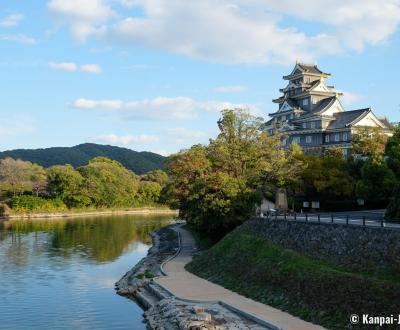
pixel 60 274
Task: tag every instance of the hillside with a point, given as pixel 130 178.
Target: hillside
pixel 138 162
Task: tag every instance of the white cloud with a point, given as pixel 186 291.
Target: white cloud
pixel 127 139
pixel 73 67
pixel 255 32
pixel 236 31
pixel 64 66
pixel 16 125
pixel 11 20
pixel 97 104
pixel 90 68
pixel 18 38
pixel 231 89
pixel 84 17
pixel 160 108
pixel 351 98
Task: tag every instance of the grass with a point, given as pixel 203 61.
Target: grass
pixel 311 289
pixel 146 274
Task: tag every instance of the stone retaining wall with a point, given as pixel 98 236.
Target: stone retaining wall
pixel 356 247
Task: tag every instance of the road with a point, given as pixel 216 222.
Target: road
pixel 372 218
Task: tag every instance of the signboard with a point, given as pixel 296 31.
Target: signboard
pixel 315 204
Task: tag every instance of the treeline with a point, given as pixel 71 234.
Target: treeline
pixel 217 186
pixel 102 183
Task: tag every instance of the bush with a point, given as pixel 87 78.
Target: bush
pixel 393 210
pixel 36 204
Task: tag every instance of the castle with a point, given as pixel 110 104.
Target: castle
pixel 310 113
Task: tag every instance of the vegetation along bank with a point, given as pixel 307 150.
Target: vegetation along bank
pixel 102 184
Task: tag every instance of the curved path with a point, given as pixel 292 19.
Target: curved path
pixel 189 286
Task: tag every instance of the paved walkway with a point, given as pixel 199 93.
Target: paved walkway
pixel 188 286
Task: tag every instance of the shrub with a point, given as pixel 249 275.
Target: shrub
pixel 393 210
pixel 36 204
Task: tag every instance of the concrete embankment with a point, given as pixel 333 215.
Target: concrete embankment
pixel 164 310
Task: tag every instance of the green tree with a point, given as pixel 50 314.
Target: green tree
pixel 218 185
pixel 368 141
pixel 67 184
pixel 393 209
pixel 325 177
pixel 158 176
pixel 38 179
pixel 149 192
pixel 377 180
pixel 108 183
pixel 392 151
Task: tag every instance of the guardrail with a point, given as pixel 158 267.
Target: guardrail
pixel 343 219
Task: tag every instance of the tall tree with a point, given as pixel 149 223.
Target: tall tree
pixel 368 142
pixel 218 185
pixel 37 178
pixel 14 174
pixel 377 180
pixel 66 183
pixel 108 183
pixel 392 151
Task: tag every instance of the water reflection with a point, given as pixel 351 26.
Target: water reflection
pixel 59 274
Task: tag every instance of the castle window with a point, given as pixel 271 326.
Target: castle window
pixel 304 125
pixel 327 138
pixel 337 137
pixel 297 139
pixel 305 101
pixel 344 152
pixel 314 100
pixel 308 139
pixel 312 124
pixel 345 137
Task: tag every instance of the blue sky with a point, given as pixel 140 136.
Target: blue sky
pixel 154 74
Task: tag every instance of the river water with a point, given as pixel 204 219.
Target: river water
pixel 60 274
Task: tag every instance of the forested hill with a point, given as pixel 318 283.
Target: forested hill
pixel 138 162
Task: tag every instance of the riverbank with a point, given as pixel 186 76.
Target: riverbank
pixel 163 308
pixel 89 213
pixel 253 264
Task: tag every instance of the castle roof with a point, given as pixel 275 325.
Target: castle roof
pixel 321 107
pixel 346 118
pixel 311 69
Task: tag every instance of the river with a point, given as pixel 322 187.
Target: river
pixel 60 274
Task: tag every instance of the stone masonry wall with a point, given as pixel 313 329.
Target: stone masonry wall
pixel 356 247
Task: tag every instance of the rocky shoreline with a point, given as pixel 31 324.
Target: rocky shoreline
pixel 164 311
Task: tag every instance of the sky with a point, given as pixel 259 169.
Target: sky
pixel 154 74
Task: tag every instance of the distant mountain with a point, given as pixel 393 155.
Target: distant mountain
pixel 138 162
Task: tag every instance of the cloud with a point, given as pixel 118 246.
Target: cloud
pixel 98 104
pixel 255 31
pixel 18 38
pixel 73 67
pixel 64 66
pixel 11 20
pixel 91 68
pixel 351 98
pixel 231 89
pixel 126 139
pixel 16 125
pixel 159 108
pixel 84 17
